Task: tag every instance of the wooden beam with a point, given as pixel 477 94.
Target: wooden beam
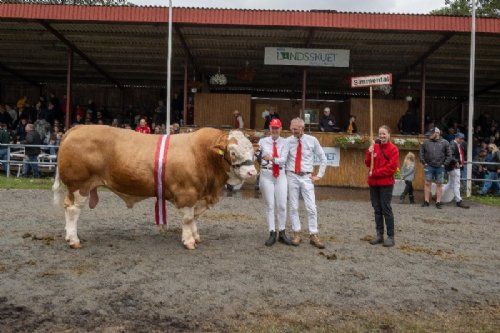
pixel 422 98
pixel 425 55
pixel 15 73
pixel 310 37
pixel 76 50
pixel 186 48
pixel 69 94
pixel 488 88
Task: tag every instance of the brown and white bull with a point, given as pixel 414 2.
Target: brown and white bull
pixel 198 166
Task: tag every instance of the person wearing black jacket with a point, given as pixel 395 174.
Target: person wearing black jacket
pixel 327 122
pixel 272 114
pixel 32 138
pixel 493 171
pixel 435 155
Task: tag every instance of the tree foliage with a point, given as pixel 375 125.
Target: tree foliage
pixel 72 2
pixel 484 8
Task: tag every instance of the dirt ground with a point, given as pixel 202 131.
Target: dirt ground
pixel 442 275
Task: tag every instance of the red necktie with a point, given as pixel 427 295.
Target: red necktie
pixel 298 157
pixel 276 167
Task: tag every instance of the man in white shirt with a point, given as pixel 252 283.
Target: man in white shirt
pixel 299 171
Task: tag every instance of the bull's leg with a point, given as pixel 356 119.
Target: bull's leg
pixel 200 208
pixel 187 233
pixel 73 205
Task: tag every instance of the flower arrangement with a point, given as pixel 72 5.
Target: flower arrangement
pixel 397 175
pixel 406 143
pixel 218 79
pixel 350 140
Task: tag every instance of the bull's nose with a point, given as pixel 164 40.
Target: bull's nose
pixel 252 173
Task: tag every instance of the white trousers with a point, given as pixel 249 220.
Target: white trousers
pixel 274 192
pixel 302 185
pixel 453 184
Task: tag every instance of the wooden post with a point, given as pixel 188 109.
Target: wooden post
pixel 184 109
pixel 68 89
pixel 304 87
pixel 371 126
pixel 422 97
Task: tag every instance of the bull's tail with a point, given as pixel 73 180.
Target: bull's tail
pixel 58 189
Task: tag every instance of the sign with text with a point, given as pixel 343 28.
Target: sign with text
pixel 371 80
pixel 332 157
pixel 306 57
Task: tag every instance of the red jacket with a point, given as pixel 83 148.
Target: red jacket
pixel 144 129
pixel 385 164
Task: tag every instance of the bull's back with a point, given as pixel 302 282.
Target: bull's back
pixel 93 155
pixel 123 160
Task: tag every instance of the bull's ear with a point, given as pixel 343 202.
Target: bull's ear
pixel 219 150
pixel 220 146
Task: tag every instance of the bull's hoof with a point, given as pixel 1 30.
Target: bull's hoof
pixel 75 245
pixel 190 246
pixel 197 240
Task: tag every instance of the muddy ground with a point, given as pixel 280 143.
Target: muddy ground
pixel 442 275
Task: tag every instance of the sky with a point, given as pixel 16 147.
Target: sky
pixel 385 6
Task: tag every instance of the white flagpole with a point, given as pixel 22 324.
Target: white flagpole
pixel 169 66
pixel 471 98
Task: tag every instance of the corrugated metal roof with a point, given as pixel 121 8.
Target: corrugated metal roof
pixel 326 19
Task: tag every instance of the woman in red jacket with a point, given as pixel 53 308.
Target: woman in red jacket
pixel 381 182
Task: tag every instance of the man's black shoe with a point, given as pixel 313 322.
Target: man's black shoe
pixel 272 238
pixel 425 204
pixel 283 238
pixel 379 239
pixel 438 205
pixel 462 205
pixel 389 242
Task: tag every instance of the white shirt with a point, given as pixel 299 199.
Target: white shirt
pixel 310 148
pixel 240 122
pixel 266 147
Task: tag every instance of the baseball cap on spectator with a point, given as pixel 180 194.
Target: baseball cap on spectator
pixel 275 123
pixel 459 135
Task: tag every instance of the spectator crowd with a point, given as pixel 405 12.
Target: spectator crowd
pixel 42 122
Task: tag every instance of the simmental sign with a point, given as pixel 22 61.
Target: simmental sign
pixel 306 57
pixel 372 80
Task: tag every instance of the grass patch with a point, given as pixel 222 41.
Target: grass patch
pixel 486 199
pixel 333 321
pixel 14 183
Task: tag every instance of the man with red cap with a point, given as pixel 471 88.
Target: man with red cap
pixel 273 183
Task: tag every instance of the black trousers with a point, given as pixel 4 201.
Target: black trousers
pixel 381 197
pixel 408 189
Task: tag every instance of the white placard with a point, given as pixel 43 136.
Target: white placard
pixel 372 80
pixel 306 57
pixel 332 157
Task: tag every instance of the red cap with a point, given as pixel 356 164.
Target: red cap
pixel 275 123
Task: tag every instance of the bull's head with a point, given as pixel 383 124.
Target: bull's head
pixel 240 157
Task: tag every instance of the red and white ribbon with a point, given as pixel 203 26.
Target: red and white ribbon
pixel 160 163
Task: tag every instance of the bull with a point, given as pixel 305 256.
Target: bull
pixel 198 166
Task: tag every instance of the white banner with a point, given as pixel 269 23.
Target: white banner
pixel 372 80
pixel 306 57
pixel 332 157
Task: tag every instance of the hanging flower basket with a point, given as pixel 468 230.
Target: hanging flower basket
pixel 218 79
